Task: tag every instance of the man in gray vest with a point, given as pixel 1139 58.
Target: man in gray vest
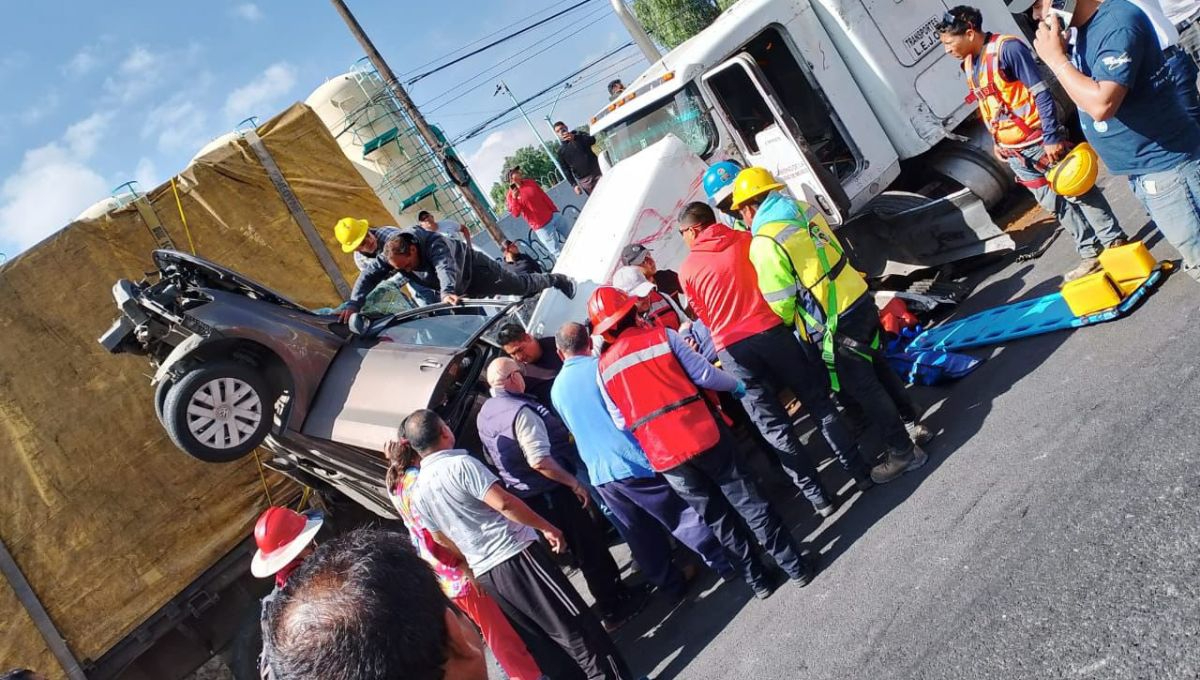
pixel 535 458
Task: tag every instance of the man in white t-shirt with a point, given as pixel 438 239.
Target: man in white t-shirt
pixel 447 228
pixel 465 508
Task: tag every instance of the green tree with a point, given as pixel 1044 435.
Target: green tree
pixel 670 22
pixel 535 164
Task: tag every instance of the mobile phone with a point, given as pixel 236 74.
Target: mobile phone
pixel 1064 10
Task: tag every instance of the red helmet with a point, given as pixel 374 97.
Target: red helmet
pixel 282 534
pixel 607 306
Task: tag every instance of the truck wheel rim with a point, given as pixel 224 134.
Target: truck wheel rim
pixel 224 413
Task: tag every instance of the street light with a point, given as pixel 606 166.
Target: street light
pixel 550 113
pixel 502 87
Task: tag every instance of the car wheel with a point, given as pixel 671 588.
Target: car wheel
pixel 219 411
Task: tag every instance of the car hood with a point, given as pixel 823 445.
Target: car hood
pixel 227 278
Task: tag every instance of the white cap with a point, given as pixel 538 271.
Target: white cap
pixel 633 281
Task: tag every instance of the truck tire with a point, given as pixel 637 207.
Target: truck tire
pixel 219 411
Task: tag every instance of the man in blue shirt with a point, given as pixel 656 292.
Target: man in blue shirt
pixel 1129 110
pixel 1019 110
pixel 639 497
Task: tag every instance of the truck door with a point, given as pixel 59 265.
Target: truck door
pixel 769 137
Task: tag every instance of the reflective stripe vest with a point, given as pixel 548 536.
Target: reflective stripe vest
pixel 662 312
pixel 660 404
pixel 796 286
pixel 1007 107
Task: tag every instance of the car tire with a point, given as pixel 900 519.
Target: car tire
pixel 219 411
pixel 160 397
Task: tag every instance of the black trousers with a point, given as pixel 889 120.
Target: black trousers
pixel 488 277
pixel 865 379
pixel 539 600
pixel 561 508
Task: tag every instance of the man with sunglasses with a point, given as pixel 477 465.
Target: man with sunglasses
pixel 1113 69
pixel 1018 109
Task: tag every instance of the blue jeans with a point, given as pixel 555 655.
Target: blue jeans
pixel 1172 198
pixel 717 488
pixel 553 234
pixel 1088 218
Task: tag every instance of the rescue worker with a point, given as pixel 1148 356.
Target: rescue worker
pixel 534 456
pixel 665 280
pixel 758 348
pixel 1018 108
pixel 284 538
pixel 808 282
pixel 366 242
pixel 447 265
pixel 651 383
pixel 718 186
pixel 656 309
pixel 638 497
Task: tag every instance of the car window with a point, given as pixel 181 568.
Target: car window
pixel 443 328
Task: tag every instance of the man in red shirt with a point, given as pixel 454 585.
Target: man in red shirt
pixel 526 199
pixel 721 285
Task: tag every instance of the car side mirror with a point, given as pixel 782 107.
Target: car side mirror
pixel 358 324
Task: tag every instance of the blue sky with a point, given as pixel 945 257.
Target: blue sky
pixel 103 93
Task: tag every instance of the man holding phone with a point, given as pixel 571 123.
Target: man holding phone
pixel 1115 73
pixel 526 199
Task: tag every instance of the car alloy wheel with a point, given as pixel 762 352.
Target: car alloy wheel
pixel 224 413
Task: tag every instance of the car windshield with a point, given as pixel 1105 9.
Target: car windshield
pixel 683 115
pixel 451 327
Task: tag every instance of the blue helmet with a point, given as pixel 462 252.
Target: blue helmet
pixel 718 180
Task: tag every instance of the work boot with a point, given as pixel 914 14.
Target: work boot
pixel 563 283
pixel 862 481
pixel 1087 266
pixel 918 433
pixel 897 464
pixel 1117 242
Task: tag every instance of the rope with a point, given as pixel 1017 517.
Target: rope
pixel 262 477
pixel 191 244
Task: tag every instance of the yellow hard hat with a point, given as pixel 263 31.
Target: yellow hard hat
pixel 1075 174
pixel 753 182
pixel 350 233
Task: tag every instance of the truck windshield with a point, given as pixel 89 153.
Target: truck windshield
pixel 683 115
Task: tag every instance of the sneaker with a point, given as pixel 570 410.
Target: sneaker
pixel 897 464
pixel 918 433
pixel 563 283
pixel 824 508
pixel 863 482
pixel 1087 266
pixel 1117 242
pixel 767 587
pixel 631 604
pixel 810 572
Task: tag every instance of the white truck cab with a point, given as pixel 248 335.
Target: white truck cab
pixel 830 95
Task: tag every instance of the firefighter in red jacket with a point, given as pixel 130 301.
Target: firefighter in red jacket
pixel 652 383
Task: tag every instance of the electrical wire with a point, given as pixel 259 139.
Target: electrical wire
pixel 494 43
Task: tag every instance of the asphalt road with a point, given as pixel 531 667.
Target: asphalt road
pixel 1053 534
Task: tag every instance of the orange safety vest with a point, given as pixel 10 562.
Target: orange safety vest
pixel 662 407
pixel 662 312
pixel 1006 106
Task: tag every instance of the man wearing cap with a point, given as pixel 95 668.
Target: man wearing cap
pixel 366 242
pixel 518 262
pixel 656 309
pixel 534 455
pixel 1129 110
pixel 1018 108
pixel 448 265
pixel 447 228
pixel 652 386
pixel 665 280
pixel 284 538
pixel 755 345
pixel 528 200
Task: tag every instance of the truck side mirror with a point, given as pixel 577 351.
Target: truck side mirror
pixel 358 324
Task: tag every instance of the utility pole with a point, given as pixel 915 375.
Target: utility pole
pixel 553 156
pixel 550 113
pixel 482 212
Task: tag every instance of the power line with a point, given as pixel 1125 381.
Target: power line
pixel 492 71
pixel 492 44
pixel 555 84
pixel 480 39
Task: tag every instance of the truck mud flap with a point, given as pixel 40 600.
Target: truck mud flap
pixel 937 233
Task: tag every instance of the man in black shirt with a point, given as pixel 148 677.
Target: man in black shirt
pixel 538 356
pixel 516 261
pixel 577 158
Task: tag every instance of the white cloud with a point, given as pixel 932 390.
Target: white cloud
pixel 146 174
pixel 139 72
pixel 248 11
pixel 261 93
pixel 38 110
pixel 487 161
pixel 178 125
pixel 84 61
pixel 53 184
